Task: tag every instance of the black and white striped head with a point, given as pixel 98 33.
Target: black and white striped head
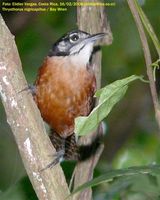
pixel 75 43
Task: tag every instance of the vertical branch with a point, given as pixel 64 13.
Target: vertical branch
pixel 26 124
pixel 91 19
pixel 147 56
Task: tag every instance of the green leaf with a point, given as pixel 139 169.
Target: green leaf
pixel 111 174
pixel 108 97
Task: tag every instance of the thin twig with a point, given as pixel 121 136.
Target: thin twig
pixel 148 59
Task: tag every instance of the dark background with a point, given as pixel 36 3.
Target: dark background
pixel 132 136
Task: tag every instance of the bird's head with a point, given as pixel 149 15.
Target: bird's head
pixel 76 43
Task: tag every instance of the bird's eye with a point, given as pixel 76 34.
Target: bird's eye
pixel 74 38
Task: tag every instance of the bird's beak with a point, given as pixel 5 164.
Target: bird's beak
pixel 93 38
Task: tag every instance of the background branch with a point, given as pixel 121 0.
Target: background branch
pixel 148 59
pixel 26 124
pixel 93 20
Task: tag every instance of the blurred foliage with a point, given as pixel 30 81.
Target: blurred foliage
pixel 22 190
pixel 124 178
pixel 132 137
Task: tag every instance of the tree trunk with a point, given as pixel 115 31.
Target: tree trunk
pixel 91 19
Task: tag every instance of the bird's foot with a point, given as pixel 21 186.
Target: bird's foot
pixel 58 158
pixel 29 88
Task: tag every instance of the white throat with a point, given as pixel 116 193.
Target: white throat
pixel 82 58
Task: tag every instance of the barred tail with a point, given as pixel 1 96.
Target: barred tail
pixel 72 151
pixel 68 145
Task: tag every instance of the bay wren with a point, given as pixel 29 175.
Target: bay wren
pixel 64 89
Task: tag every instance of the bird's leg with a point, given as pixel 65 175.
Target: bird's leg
pixel 59 144
pixel 58 156
pixel 66 149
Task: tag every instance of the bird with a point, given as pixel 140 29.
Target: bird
pixel 64 89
